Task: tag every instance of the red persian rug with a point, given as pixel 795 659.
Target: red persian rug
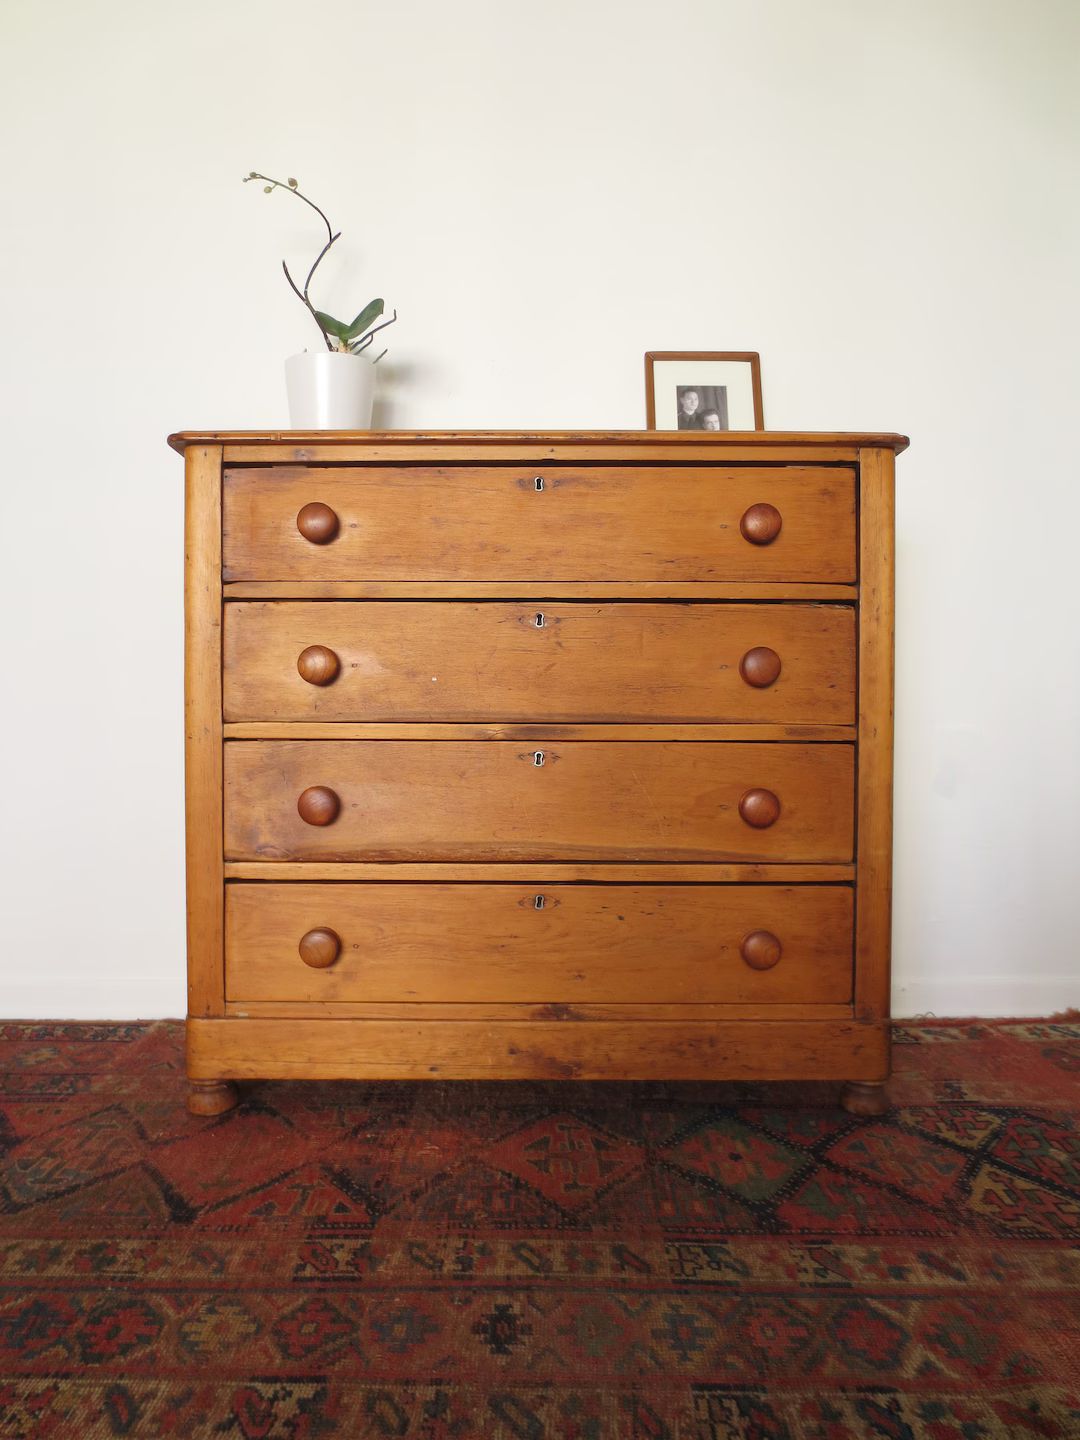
pixel 524 1261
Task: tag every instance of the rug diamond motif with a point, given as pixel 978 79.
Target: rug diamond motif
pixel 566 1159
pixel 916 1164
pixel 752 1165
pixel 1047 1151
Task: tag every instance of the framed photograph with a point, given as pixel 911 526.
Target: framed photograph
pixel 703 390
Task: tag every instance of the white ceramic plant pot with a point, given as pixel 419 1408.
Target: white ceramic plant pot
pixel 329 390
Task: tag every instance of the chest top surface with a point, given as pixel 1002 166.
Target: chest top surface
pixel 765 444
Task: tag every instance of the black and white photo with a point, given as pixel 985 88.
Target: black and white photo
pixel 706 391
pixel 702 407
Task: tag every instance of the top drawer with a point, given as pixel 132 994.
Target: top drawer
pixel 548 523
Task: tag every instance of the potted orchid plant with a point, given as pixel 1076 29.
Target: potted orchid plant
pixel 330 388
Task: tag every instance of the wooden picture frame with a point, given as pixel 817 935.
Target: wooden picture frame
pixel 728 383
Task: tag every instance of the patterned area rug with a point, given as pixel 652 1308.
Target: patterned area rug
pixel 520 1261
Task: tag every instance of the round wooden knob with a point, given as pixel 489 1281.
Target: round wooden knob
pixel 761 950
pixel 759 808
pixel 758 667
pixel 318 665
pixel 318 805
pixel 320 948
pixel 317 523
pixel 761 524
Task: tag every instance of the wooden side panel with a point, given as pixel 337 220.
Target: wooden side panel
pixel 873 936
pixel 203 741
pixel 593 524
pixel 491 800
pixel 522 1050
pixel 557 661
pixel 557 943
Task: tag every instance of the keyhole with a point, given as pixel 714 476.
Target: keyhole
pixel 539 902
pixel 539 482
pixel 538 757
pixel 539 620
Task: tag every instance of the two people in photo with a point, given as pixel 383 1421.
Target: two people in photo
pixel 702 407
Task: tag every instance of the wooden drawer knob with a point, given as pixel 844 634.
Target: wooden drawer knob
pixel 320 948
pixel 317 523
pixel 761 524
pixel 759 808
pixel 761 950
pixel 318 665
pixel 318 805
pixel 759 667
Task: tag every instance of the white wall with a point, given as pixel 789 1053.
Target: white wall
pixel 879 197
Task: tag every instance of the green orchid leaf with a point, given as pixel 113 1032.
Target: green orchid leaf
pixel 369 313
pixel 337 328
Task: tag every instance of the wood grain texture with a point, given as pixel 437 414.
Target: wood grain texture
pixel 211 1097
pixel 762 950
pixel 636 444
pixel 760 809
pixel 563 1013
pixel 873 941
pixel 602 523
pixel 446 818
pixel 554 943
pixel 657 453
pixel 527 590
pixel 549 730
pixel 203 741
pixel 318 948
pixel 318 805
pixel 316 664
pixel 761 666
pixel 761 524
pixel 317 523
pixel 491 800
pixel 590 1050
pixel 557 661
pixel 623 872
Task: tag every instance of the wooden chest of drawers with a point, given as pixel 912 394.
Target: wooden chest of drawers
pixel 522 756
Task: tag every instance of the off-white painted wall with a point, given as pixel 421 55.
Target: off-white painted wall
pixel 879 197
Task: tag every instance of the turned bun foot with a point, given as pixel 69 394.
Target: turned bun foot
pixel 861 1097
pixel 211 1097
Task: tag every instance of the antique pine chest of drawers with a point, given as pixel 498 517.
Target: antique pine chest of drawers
pixel 521 756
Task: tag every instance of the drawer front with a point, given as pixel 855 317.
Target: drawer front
pixel 599 523
pixel 573 800
pixel 543 943
pixel 545 662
